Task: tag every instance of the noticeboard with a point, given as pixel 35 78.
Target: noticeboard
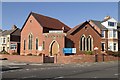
pixel 69 50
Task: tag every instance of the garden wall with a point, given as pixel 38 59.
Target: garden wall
pixel 58 59
pixel 19 58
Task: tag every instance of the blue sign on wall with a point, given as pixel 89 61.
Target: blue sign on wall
pixel 69 50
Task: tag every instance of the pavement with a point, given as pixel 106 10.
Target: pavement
pixel 50 71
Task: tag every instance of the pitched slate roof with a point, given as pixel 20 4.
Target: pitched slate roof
pixel 0 30
pixel 48 22
pixel 80 26
pixel 75 28
pixel 98 23
pixel 8 32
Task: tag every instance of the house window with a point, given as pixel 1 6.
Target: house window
pixel 89 44
pixel 114 45
pixel 8 39
pixel 111 24
pixel 103 34
pixel 110 33
pixel 36 44
pixel 24 44
pixel 43 45
pixel 30 42
pixel 110 46
pixel 13 46
pixel 86 44
pixel 114 34
pixel 82 43
pixel 3 40
pixel 103 46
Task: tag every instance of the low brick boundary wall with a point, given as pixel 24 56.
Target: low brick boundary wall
pixel 83 58
pixel 19 58
pixel 59 59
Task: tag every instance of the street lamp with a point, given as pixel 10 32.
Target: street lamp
pixel 96 56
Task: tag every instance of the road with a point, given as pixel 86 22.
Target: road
pixel 59 71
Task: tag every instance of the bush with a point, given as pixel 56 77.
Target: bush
pixel 40 54
pixel 15 53
pixel 4 52
pixel 29 54
pixel 89 52
pixel 116 54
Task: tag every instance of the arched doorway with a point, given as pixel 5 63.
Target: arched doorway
pixel 54 48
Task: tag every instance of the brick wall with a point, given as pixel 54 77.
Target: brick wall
pixel 60 59
pixel 18 58
pixel 83 58
pixel 88 31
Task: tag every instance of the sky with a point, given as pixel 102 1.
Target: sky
pixel 70 13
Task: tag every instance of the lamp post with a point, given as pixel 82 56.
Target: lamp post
pixel 96 55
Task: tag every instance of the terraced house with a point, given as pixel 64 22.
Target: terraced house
pixel 10 40
pixel 109 30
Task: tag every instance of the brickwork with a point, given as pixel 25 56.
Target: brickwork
pixel 88 31
pixel 60 59
pixel 18 58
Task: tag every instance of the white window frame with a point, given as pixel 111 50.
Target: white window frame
pixel 111 22
pixel 115 34
pixel 110 32
pixel 110 45
pixel 3 40
pixel 103 33
pixel 115 46
pixel 13 46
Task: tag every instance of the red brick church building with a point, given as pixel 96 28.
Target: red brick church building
pixel 45 35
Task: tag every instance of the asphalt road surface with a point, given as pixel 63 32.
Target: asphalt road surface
pixel 59 71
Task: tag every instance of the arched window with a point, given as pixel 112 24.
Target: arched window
pixel 30 42
pixel 82 43
pixel 24 44
pixel 89 44
pixel 43 45
pixel 36 43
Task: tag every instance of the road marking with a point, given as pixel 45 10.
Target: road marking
pixel 27 69
pixel 11 71
pixel 1 72
pixel 74 71
pixel 34 69
pixel 116 74
pixel 94 77
pixel 20 70
pixel 58 77
pixel 36 64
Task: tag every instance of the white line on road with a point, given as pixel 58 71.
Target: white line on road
pixel 27 69
pixel 94 77
pixel 58 77
pixel 116 74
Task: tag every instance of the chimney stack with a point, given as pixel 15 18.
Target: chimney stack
pixel 14 27
pixel 106 18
